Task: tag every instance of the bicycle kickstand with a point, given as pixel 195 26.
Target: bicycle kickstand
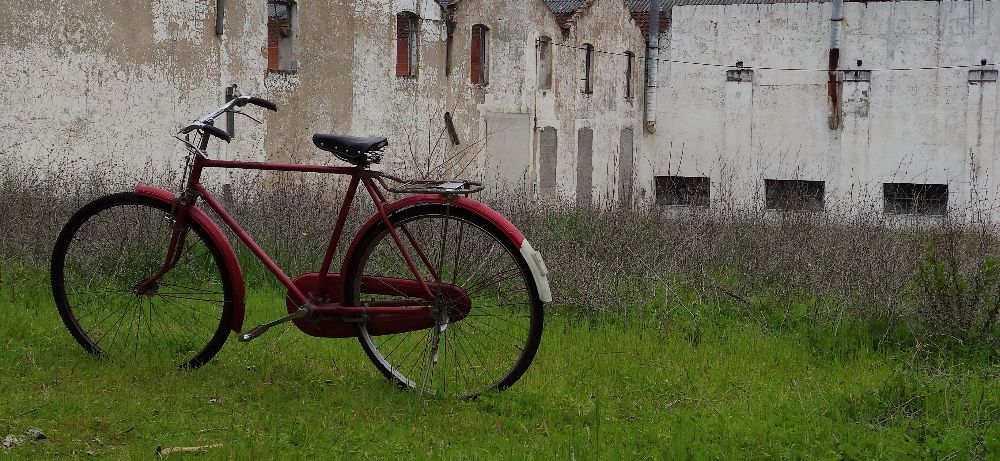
pixel 261 329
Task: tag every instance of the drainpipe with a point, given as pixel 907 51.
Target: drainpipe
pixel 833 88
pixel 652 55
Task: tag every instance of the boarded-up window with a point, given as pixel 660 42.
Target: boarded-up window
pixel 480 55
pixel 783 194
pixel 548 148
pixel 584 166
pixel 406 45
pixel 682 190
pixel 281 32
pixel 629 61
pixel 544 63
pixel 588 68
pixel 625 173
pixel 907 198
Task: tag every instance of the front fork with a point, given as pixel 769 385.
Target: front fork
pixel 175 249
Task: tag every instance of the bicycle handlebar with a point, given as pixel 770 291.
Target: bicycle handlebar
pixel 259 102
pixel 206 123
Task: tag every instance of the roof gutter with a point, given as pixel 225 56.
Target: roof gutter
pixel 652 59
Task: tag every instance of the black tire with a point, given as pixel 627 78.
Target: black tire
pixel 508 331
pixel 114 243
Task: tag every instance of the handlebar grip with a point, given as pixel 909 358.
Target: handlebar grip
pixel 263 103
pixel 217 132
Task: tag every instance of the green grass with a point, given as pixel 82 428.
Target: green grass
pixel 699 383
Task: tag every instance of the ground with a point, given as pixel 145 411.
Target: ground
pixel 695 383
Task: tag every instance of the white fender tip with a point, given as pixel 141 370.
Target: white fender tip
pixel 538 271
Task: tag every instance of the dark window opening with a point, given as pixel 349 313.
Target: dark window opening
pixel 781 194
pixel 544 63
pixel 682 190
pixel 548 153
pixel 584 166
pixel 588 68
pixel 281 32
pixel 629 60
pixel 480 55
pixel 406 45
pixel 907 198
pixel 626 175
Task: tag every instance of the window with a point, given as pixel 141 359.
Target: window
pixel 584 166
pixel 588 68
pixel 906 198
pixel 480 55
pixel 682 190
pixel 794 194
pixel 629 61
pixel 544 63
pixel 282 28
pixel 406 45
pixel 548 148
pixel 625 171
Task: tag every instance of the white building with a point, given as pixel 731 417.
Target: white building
pixel 547 93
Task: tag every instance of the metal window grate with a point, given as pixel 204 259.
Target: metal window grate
pixel 908 198
pixel 793 194
pixel 682 190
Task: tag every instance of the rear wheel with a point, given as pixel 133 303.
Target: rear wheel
pixel 108 248
pixel 488 346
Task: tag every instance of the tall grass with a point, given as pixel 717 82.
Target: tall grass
pixel 928 285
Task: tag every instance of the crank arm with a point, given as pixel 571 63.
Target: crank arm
pixel 261 329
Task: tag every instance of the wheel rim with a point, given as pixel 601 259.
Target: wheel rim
pixel 176 320
pixel 491 346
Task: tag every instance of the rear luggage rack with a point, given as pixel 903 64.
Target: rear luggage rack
pixel 446 187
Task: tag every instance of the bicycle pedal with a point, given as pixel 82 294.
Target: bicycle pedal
pixel 261 329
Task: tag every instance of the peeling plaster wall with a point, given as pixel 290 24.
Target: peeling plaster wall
pixel 110 82
pixel 925 126
pixel 609 27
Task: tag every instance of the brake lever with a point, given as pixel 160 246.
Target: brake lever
pixel 191 147
pixel 246 115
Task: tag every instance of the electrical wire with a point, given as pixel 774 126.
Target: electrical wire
pixel 790 69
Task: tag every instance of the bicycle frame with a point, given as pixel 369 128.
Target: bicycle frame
pixel 184 203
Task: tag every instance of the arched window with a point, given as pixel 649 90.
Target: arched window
pixel 479 52
pixel 629 63
pixel 544 63
pixel 406 44
pixel 588 68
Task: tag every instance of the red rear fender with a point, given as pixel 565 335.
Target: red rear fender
pixel 538 270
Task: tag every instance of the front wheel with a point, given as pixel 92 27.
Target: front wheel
pixel 101 259
pixel 484 341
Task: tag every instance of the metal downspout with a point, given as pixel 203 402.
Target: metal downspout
pixel 833 86
pixel 652 58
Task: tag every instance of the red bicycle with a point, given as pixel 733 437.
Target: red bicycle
pixel 444 293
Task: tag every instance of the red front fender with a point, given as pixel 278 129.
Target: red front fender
pixel 219 239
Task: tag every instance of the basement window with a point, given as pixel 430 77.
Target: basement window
pixel 629 62
pixel 406 45
pixel 282 30
pixel 480 55
pixel 781 194
pixel 682 190
pixel 588 68
pixel 908 198
pixel 544 63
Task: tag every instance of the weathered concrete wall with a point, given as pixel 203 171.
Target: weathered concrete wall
pixel 112 81
pixel 609 27
pixel 921 126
